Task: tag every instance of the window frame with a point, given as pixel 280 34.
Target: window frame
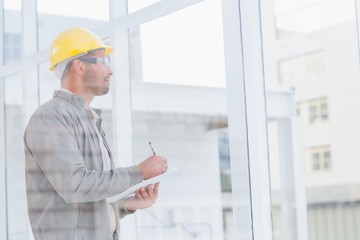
pixel 317 112
pixel 324 163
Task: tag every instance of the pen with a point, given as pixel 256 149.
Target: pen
pixel 152 149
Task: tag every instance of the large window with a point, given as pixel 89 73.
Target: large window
pixel 173 91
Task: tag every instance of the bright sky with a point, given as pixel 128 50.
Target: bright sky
pixel 182 51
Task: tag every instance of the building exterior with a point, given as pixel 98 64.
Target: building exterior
pixel 321 65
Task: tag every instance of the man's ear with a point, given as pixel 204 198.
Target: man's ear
pixel 79 66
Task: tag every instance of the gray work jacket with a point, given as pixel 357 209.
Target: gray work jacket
pixel 66 186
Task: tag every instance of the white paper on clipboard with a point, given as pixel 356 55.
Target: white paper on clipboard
pixel 163 177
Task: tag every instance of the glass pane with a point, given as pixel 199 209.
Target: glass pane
pixel 12 4
pixel 12 27
pixel 313 47
pixel 83 9
pixel 316 164
pixel 179 104
pixel 315 156
pixel 15 166
pixel 56 16
pixel 192 59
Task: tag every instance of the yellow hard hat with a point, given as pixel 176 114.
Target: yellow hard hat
pixel 73 42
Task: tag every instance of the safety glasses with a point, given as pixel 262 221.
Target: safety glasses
pixel 99 60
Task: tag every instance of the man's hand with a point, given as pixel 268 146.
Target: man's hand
pixel 144 198
pixel 153 166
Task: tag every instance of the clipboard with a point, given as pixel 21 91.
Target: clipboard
pixel 160 178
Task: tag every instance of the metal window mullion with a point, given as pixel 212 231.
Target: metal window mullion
pixel 3 209
pixel 238 142
pixel 3 199
pixel 30 67
pixel 247 119
pixel 30 75
pixel 17 66
pixel 144 15
pixel 157 10
pixel 294 134
pixel 287 181
pixel 29 27
pixel 121 101
pixel 121 98
pixel 2 33
pixel 256 114
pixel 357 14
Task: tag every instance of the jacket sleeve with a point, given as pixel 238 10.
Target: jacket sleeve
pixel 50 141
pixel 122 208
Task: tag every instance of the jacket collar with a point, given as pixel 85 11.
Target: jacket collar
pixel 74 99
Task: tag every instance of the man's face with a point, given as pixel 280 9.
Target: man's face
pixel 97 76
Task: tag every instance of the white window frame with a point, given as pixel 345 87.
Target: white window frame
pixel 3 209
pixel 247 128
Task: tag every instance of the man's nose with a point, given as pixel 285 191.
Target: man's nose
pixel 110 72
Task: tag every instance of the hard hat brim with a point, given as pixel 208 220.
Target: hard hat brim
pixel 108 50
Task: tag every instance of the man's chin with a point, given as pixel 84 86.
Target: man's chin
pixel 106 90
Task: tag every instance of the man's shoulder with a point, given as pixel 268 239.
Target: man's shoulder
pixel 49 119
pixel 54 108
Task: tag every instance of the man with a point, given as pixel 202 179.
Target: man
pixel 69 167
